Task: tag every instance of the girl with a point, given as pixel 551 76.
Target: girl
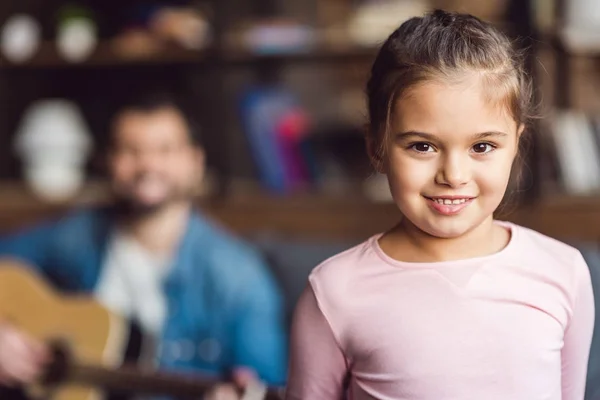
pixel 450 303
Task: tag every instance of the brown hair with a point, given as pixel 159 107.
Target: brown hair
pixel 444 46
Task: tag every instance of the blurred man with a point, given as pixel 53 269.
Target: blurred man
pixel 204 299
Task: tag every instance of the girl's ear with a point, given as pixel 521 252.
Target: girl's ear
pixel 375 153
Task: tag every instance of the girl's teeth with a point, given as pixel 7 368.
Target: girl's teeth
pixel 448 201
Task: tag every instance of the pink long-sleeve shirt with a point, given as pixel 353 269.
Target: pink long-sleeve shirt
pixel 515 325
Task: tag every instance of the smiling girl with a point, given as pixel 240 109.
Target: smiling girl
pixel 449 303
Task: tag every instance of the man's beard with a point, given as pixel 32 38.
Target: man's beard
pixel 130 208
pixel 127 206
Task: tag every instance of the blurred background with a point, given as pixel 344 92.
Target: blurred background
pixel 276 91
pixel 299 171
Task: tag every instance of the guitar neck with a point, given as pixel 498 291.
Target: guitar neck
pixel 135 381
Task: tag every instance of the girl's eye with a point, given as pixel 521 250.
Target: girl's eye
pixel 482 148
pixel 422 147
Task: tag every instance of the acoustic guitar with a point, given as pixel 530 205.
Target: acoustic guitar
pixel 88 343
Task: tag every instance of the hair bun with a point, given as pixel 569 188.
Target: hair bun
pixel 444 17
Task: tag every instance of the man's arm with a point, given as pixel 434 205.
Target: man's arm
pixel 260 341
pixel 30 246
pixel 21 356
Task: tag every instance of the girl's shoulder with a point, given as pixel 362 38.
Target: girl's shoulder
pixel 338 272
pixel 346 261
pixel 545 259
pixel 548 256
pixel 536 243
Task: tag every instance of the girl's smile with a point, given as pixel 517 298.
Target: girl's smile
pixel 449 205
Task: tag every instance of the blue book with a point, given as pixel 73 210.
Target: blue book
pixel 262 110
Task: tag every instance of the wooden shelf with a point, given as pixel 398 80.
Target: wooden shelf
pixel 564 218
pixel 313 215
pixel 325 53
pixel 105 56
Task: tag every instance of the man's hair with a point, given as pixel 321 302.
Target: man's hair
pixel 152 101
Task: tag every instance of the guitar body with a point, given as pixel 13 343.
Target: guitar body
pixel 97 345
pixel 93 334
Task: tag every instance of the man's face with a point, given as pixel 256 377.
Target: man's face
pixel 153 162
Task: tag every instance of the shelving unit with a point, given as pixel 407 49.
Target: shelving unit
pixel 204 77
pixel 104 56
pixel 568 90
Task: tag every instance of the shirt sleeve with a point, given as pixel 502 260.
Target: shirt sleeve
pixel 318 367
pixel 30 246
pixel 260 337
pixel 578 335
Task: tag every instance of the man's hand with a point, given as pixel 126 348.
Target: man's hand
pixel 22 358
pixel 242 379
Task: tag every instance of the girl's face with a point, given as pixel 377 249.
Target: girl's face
pixel 449 156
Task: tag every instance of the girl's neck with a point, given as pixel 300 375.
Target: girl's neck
pixel 408 243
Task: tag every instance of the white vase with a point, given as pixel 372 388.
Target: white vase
pixel 76 39
pixel 581 30
pixel 583 14
pixel 53 142
pixel 20 38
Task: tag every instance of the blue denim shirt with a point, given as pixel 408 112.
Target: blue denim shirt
pixel 223 304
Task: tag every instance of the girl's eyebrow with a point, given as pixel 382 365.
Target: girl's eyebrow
pixel 484 135
pixel 412 134
pixel 431 137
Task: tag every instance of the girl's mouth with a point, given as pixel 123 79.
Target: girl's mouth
pixel 450 205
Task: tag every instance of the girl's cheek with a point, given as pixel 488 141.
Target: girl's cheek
pixel 410 173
